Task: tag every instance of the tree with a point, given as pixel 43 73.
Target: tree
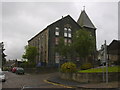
pixel 83 43
pixel 30 53
pixel 2 55
pixel 62 48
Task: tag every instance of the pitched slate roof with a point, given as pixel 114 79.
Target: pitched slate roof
pixel 114 47
pixel 68 16
pixel 84 20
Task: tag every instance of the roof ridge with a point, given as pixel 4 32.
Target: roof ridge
pixel 52 24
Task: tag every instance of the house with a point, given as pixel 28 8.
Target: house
pixel 48 39
pixel 13 63
pixel 113 51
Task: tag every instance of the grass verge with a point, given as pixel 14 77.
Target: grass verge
pixel 99 70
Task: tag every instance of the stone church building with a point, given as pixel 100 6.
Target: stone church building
pixel 46 40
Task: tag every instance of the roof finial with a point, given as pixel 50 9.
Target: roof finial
pixel 84 8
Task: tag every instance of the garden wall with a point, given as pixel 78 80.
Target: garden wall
pixel 40 70
pixel 89 77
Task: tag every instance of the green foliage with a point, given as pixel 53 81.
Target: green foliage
pixel 23 65
pixel 28 65
pixel 68 67
pixel 6 68
pixel 62 49
pixel 100 70
pixel 84 43
pixel 30 53
pixel 86 66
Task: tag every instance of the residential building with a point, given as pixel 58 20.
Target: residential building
pixel 48 39
pixel 113 51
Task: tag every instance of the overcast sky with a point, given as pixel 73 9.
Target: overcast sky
pixel 23 20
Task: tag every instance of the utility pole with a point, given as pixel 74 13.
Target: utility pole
pixel 103 61
pixel 105 56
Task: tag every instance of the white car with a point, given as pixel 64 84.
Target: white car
pixel 2 76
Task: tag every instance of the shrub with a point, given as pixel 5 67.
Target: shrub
pixel 31 65
pixel 28 65
pixel 68 67
pixel 5 68
pixel 86 66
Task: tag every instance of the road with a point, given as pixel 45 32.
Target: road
pixel 33 80
pixel 28 80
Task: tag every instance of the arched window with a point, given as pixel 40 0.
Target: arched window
pixel 65 32
pixel 69 32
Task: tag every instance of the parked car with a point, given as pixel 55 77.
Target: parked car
pixel 20 70
pixel 14 69
pixel 2 76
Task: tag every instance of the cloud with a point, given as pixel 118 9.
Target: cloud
pixel 23 20
pixel 0 22
pixel 119 20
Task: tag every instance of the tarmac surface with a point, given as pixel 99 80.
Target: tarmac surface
pixel 28 80
pixel 52 80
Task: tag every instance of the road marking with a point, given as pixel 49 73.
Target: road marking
pixel 58 84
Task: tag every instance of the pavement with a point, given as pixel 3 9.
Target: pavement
pixel 73 84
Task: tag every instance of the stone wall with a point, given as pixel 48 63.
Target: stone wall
pixel 89 77
pixel 40 70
